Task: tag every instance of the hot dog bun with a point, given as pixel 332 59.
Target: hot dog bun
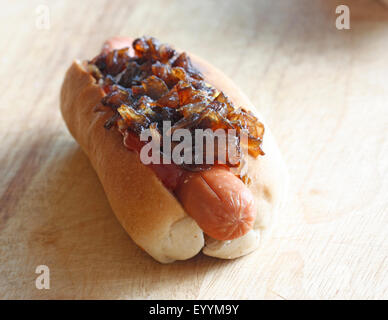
pixel 150 214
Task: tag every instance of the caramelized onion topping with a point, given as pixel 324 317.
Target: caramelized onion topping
pixel 159 84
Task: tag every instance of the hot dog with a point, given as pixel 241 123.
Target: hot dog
pixel 168 211
pixel 219 202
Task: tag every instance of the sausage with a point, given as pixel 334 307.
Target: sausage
pixel 216 199
pixel 219 202
pixel 117 43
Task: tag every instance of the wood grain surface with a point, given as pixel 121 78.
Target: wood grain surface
pixel 324 92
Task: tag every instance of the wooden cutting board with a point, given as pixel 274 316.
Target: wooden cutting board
pixel 324 91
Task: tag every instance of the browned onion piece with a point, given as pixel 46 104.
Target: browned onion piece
pixel 154 87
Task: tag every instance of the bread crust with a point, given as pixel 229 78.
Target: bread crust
pixel 149 213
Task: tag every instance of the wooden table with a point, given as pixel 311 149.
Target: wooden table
pixel 324 91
